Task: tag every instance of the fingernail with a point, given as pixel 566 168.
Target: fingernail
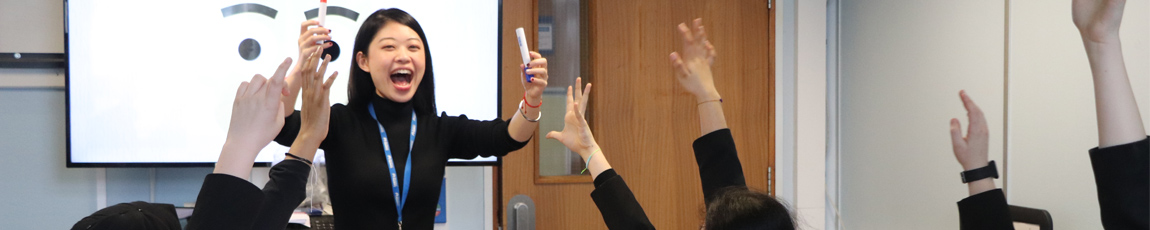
pixel 328 30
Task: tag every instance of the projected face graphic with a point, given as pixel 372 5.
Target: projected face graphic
pixel 249 48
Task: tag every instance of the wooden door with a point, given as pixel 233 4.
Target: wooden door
pixel 644 121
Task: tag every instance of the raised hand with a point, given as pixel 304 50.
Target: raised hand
pixel 1098 20
pixel 308 37
pixel 1119 121
pixel 522 128
pixel 257 114
pixel 316 110
pixel 576 134
pixel 533 91
pixel 257 117
pixel 693 66
pixel 971 150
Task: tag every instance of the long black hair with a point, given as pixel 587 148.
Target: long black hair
pixel 360 86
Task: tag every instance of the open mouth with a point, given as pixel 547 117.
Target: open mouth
pixel 401 79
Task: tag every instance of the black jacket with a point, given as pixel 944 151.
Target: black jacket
pixel 359 182
pixel 228 202
pixel 719 168
pixel 984 211
pixel 1122 174
pixel 617 204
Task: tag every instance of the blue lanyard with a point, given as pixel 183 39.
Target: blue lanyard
pixel 391 163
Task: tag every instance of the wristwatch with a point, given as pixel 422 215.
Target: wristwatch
pixel 980 173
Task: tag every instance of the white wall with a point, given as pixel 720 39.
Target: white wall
pixel 902 64
pixel 810 133
pixel 785 69
pixel 1051 121
pixel 800 90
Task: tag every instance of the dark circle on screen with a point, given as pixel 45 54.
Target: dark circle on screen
pixel 249 49
pixel 333 51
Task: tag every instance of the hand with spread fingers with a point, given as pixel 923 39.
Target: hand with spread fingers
pixel 576 134
pixel 316 109
pixel 693 66
pixel 316 102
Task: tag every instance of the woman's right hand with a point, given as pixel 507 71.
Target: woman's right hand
pixel 316 111
pixel 308 37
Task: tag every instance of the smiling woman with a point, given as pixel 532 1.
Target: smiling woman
pixel 391 92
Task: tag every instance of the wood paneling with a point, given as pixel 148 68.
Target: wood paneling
pixel 644 121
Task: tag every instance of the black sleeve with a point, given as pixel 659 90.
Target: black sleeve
pixel 285 190
pixel 617 204
pixel 1122 174
pixel 987 210
pixel 225 202
pixel 290 130
pixel 292 125
pixel 718 161
pixel 472 138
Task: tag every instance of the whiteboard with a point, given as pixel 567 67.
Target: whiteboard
pixel 153 82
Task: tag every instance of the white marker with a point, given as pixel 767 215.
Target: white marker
pixel 322 15
pixel 523 50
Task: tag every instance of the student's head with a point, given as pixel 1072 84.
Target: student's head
pixel 137 215
pixel 393 61
pixel 741 208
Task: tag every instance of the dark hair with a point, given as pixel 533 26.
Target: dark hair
pixel 361 88
pixel 742 208
pixel 137 215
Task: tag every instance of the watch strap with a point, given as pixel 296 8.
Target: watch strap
pixel 990 170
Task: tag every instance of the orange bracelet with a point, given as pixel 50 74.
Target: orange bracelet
pixel 529 104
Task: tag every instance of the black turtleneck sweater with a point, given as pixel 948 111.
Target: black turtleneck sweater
pixel 359 182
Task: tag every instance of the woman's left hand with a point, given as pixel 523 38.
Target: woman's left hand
pixel 534 89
